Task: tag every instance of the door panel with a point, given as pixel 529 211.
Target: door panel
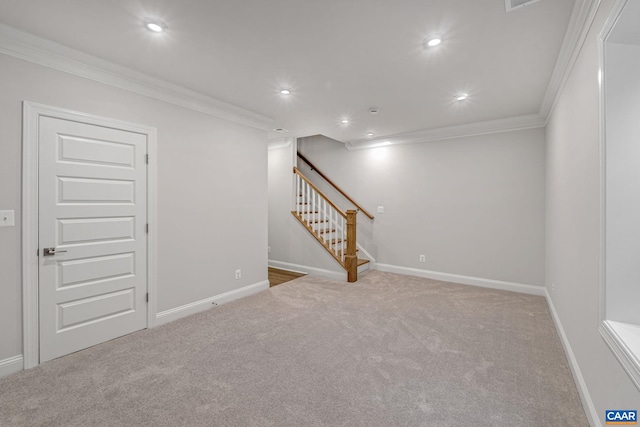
pixel 92 151
pixel 90 270
pixel 95 230
pixel 86 190
pixel 83 311
pixel 92 210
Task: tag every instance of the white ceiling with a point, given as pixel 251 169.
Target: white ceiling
pixel 339 57
pixel 627 28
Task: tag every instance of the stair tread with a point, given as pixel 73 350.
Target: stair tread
pixel 362 261
pixel 340 251
pixel 308 221
pixel 326 230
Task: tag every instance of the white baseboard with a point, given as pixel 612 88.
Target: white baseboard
pixel 335 275
pixel 11 366
pixel 207 303
pixel 587 402
pixel 280 267
pixel 464 280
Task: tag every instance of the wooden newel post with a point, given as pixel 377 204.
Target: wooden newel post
pixel 350 258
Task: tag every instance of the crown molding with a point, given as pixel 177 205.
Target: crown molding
pixel 580 23
pixel 22 45
pixel 582 17
pixel 279 143
pixel 531 121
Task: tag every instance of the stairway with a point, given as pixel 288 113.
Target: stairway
pixel 333 228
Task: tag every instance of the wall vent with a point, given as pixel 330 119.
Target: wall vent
pixel 517 4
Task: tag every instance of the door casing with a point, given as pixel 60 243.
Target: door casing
pixel 30 245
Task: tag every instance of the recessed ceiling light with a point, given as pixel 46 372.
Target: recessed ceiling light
pixel 432 41
pixel 462 96
pixel 155 25
pixel 370 134
pixel 374 110
pixel 281 130
pixel 285 92
pixel 344 121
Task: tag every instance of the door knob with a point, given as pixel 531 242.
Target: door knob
pixel 51 251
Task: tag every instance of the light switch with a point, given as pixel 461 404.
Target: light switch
pixel 380 209
pixel 7 218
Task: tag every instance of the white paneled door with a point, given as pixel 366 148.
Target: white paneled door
pixel 92 234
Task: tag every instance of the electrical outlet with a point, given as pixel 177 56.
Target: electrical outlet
pixel 423 258
pixel 380 209
pixel 238 274
pixel 7 218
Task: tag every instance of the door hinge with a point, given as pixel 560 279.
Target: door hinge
pixel 38 252
pixel 146 158
pixel 147 228
pixel 147 296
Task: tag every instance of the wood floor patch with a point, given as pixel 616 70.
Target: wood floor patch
pixel 277 276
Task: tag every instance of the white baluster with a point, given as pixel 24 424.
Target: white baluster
pixel 329 218
pixel 342 236
pixel 309 202
pixel 336 222
pixel 313 204
pixel 344 239
pixel 302 190
pixel 306 200
pixel 304 195
pixel 319 209
pixel 329 222
pixel 298 193
pixel 324 217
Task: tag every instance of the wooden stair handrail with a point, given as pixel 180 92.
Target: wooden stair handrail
pixel 314 168
pixel 297 171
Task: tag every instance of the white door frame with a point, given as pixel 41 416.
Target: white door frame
pixel 31 114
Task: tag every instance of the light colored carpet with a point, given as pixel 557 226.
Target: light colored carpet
pixel 388 350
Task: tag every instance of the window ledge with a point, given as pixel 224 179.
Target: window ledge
pixel 624 341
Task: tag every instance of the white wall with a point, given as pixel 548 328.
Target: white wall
pixel 622 80
pixel 474 206
pixel 573 223
pixel 212 189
